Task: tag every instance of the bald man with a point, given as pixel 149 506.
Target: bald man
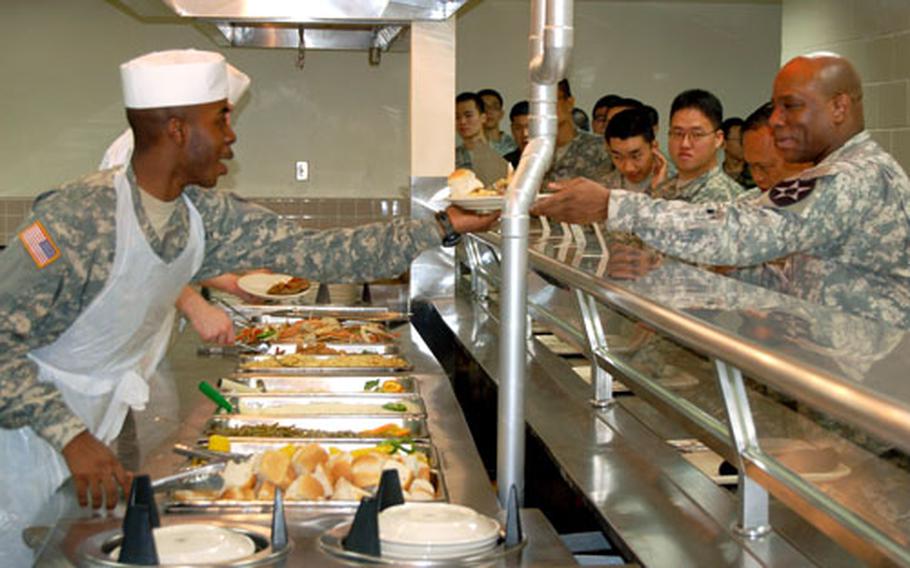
pixel 842 224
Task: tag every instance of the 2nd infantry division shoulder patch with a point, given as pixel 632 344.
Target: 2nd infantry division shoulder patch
pixel 39 245
pixel 791 192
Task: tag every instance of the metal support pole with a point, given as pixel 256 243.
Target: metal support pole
pixel 480 288
pixel 753 520
pixel 601 380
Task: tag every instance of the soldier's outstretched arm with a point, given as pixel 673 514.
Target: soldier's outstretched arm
pixel 242 235
pixel 743 233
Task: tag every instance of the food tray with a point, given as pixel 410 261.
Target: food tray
pixel 709 462
pixel 329 364
pixel 378 348
pixel 333 426
pixel 284 323
pixel 254 445
pixel 318 384
pixel 325 404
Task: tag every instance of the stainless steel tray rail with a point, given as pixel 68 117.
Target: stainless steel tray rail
pixel 878 405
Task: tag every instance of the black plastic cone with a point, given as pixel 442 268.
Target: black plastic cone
pixel 389 492
pixel 279 524
pixel 513 519
pixel 138 546
pixel 364 534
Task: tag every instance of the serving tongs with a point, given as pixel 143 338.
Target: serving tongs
pixel 230 350
pixel 210 455
pixel 206 477
pixel 225 304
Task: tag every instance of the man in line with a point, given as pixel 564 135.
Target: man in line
pixel 843 224
pixel 765 161
pixel 694 139
pixel 492 104
pixel 577 153
pixel 99 262
pixel 633 147
pixel 621 105
pixel 475 153
pixel 519 119
pixel 734 164
pixel 599 113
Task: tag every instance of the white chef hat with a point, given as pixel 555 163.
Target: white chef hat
pixel 178 77
pixel 238 83
pixel 121 149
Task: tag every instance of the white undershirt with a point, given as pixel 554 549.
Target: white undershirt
pixel 157 211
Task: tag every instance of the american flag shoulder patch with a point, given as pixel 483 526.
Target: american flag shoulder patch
pixel 39 245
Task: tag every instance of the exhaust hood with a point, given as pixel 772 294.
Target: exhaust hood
pixel 369 25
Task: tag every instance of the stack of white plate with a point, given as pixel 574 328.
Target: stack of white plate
pixel 199 544
pixel 435 531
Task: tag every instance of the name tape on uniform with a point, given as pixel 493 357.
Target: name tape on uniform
pixel 39 244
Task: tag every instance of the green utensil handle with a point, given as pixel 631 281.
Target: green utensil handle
pixel 215 396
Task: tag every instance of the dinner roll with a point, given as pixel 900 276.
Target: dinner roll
pixel 275 468
pixel 306 487
pixel 367 470
pixel 462 182
pixel 307 457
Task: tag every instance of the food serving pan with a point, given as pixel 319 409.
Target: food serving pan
pixel 297 364
pixel 334 427
pixel 286 330
pixel 328 404
pixel 377 348
pixel 181 501
pixel 313 384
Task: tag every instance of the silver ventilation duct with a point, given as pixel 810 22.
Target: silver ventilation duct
pixel 367 25
pixel 551 41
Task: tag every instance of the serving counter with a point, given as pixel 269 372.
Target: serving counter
pixel 677 369
pixel 178 414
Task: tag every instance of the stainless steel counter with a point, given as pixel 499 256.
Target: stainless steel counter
pixel 177 414
pixel 662 510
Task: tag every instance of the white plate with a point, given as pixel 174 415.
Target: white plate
pixel 397 551
pixel 258 285
pixel 479 204
pixel 435 524
pixel 199 544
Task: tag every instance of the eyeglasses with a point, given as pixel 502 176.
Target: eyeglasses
pixel 693 135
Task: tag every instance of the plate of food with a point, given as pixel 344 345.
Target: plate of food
pixel 273 286
pixel 468 192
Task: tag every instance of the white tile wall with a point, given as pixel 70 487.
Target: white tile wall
pixel 875 36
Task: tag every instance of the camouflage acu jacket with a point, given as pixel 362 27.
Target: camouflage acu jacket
pixel 585 156
pixel 714 186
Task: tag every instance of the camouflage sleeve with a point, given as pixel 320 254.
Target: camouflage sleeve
pixel 27 297
pixel 241 235
pixel 739 233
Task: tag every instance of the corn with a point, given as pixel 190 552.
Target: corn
pixel 219 443
pixel 364 451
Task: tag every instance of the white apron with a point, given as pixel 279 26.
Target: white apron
pixel 100 364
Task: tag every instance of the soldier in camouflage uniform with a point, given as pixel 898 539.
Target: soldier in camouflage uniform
pixel 713 186
pixel 72 244
pixel 633 148
pixel 578 153
pixel 694 139
pixel 841 226
pixel 765 161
